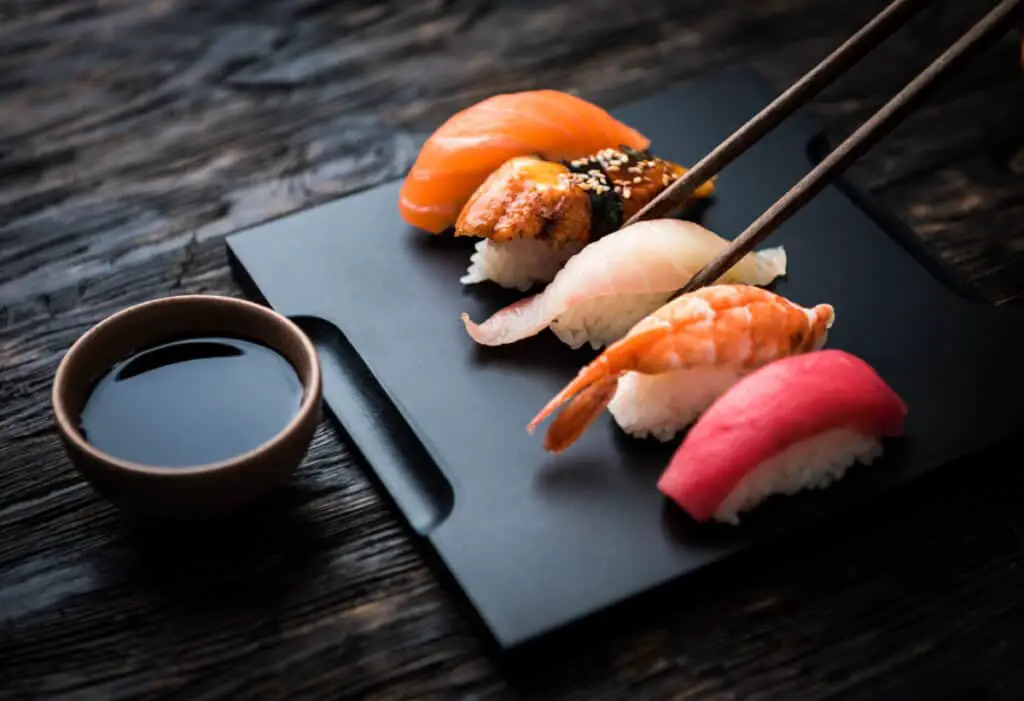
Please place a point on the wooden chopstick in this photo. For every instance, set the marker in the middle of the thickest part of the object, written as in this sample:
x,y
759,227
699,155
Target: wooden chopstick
x,y
817,79
996,22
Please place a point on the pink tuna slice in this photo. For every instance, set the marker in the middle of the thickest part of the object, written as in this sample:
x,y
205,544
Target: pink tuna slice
x,y
769,410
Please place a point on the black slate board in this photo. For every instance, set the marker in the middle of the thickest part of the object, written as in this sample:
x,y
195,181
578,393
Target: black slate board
x,y
535,541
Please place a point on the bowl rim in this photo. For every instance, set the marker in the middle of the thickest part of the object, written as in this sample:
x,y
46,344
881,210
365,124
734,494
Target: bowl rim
x,y
62,381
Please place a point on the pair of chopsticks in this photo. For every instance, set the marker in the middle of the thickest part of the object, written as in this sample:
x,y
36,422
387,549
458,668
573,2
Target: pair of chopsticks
x,y
998,21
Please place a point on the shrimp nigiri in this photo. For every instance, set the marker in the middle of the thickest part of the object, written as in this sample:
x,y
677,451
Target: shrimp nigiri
x,y
533,215
472,143
675,362
616,281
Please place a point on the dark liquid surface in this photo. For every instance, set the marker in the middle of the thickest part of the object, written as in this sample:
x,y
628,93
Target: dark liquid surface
x,y
192,401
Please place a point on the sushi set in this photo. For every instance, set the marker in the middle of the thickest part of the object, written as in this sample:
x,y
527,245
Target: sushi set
x,y
561,428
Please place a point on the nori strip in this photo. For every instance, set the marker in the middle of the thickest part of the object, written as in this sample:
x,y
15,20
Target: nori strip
x,y
606,207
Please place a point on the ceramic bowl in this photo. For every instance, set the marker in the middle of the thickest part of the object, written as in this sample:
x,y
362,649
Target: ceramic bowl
x,y
202,490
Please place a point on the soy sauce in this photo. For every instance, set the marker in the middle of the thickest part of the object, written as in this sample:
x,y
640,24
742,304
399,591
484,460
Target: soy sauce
x,y
191,401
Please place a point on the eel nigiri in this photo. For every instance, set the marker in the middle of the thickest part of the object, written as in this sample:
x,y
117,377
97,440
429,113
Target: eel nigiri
x,y
472,143
533,215
675,362
797,423
609,286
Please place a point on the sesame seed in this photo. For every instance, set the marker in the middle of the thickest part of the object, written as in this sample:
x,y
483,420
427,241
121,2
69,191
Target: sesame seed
x,y
637,180
626,192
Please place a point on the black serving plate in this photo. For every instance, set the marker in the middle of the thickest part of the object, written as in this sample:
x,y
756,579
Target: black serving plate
x,y
534,541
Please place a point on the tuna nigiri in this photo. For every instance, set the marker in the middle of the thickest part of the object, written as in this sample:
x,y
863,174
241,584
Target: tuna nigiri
x,y
613,283
797,423
472,143
533,215
675,362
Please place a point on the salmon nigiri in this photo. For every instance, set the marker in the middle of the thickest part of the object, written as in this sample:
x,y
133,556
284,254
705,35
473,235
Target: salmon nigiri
x,y
674,363
605,289
797,423
533,215
474,142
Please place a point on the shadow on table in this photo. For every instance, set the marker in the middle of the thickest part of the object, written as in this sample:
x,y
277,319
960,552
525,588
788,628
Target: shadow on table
x,y
587,649
257,551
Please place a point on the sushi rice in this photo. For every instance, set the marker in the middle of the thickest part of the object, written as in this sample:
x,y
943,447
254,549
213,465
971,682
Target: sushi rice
x,y
518,263
815,463
662,405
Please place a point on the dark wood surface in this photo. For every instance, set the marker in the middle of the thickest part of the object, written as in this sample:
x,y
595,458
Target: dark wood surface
x,y
135,135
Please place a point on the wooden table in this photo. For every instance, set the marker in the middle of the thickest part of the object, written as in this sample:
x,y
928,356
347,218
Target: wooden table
x,y
135,135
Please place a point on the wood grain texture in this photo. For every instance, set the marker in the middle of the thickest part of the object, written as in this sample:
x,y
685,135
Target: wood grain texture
x,y
134,136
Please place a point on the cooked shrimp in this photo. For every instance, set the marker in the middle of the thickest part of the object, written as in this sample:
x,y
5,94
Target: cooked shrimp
x,y
732,327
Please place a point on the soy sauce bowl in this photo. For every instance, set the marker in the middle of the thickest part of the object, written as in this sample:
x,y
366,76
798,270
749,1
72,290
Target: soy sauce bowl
x,y
191,491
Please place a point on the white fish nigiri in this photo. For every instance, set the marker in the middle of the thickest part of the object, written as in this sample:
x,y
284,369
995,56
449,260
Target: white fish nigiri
x,y
616,281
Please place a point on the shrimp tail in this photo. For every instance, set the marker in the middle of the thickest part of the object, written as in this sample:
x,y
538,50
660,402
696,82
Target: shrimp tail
x,y
625,354
588,376
579,414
